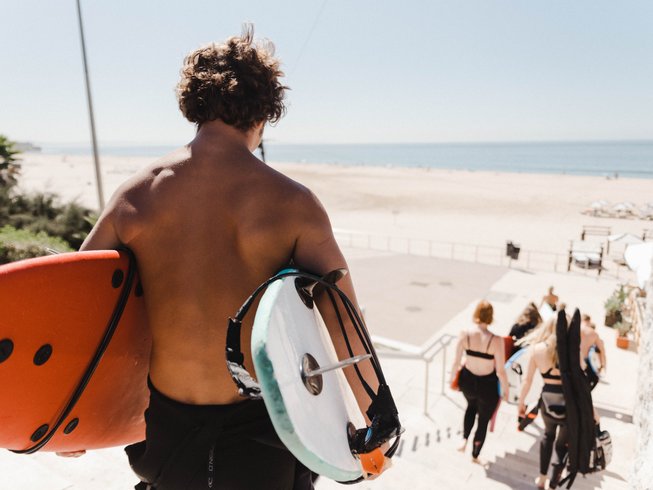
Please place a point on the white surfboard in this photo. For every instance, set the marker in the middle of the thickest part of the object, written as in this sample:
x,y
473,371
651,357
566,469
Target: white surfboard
x,y
594,359
516,372
311,421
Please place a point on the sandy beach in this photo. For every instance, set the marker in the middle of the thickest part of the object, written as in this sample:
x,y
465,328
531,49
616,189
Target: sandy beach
x,y
541,212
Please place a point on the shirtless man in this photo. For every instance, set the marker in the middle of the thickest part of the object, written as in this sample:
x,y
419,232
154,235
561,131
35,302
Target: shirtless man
x,y
551,299
588,338
209,223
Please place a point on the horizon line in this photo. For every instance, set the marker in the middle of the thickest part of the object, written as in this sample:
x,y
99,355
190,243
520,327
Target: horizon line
x,y
332,143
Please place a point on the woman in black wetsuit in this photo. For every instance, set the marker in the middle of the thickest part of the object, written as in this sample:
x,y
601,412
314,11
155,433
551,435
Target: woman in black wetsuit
x,y
544,359
479,375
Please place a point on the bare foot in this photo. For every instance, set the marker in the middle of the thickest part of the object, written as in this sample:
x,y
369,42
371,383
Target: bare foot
x,y
480,462
540,481
463,446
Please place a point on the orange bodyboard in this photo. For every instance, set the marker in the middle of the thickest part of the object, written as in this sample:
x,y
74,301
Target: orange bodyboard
x,y
55,314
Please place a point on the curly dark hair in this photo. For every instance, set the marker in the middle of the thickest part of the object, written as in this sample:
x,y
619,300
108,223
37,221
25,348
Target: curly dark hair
x,y
236,82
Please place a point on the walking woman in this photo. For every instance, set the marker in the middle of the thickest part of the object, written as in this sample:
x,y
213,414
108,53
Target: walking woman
x,y
544,358
479,375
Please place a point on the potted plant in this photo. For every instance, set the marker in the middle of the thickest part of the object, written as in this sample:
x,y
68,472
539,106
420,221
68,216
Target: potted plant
x,y
622,328
613,306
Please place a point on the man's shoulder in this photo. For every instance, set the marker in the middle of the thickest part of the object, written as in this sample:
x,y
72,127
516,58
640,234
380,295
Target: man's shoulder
x,y
293,193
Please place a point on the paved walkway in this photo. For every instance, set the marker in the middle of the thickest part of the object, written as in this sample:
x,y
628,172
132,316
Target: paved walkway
x,y
427,458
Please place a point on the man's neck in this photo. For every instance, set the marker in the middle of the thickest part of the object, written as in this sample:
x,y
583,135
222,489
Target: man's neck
x,y
224,135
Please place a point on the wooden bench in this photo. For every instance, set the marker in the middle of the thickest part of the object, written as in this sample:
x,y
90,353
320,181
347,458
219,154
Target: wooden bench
x,y
595,230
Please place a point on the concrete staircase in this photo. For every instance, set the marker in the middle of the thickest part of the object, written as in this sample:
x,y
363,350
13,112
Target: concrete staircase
x,y
427,457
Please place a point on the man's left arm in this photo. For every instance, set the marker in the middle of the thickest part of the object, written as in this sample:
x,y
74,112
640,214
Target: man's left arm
x,y
103,236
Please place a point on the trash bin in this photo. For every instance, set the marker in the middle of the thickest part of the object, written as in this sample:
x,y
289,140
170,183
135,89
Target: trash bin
x,y
512,250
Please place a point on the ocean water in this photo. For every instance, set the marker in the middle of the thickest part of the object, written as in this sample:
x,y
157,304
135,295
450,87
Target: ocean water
x,y
625,159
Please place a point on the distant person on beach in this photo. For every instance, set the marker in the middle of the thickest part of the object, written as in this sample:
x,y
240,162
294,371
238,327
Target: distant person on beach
x,y
209,223
528,320
550,299
544,359
479,375
590,338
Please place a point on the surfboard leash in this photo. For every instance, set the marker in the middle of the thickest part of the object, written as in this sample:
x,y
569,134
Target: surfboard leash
x,y
382,412
97,357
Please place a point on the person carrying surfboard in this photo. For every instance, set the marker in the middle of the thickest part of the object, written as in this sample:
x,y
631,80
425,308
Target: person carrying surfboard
x,y
589,338
544,359
551,299
479,376
208,223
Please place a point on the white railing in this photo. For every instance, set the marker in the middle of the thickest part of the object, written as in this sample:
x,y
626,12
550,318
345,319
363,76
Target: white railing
x,y
395,350
480,254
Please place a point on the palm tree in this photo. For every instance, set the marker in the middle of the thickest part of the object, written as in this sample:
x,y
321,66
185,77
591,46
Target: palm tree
x,y
9,166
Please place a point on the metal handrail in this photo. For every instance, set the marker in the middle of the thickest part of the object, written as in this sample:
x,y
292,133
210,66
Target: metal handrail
x,y
427,353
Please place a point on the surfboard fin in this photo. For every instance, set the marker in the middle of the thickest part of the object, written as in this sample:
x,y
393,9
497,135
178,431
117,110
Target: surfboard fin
x,y
335,275
306,287
374,462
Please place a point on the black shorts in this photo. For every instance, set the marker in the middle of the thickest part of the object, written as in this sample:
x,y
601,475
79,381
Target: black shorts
x,y
189,447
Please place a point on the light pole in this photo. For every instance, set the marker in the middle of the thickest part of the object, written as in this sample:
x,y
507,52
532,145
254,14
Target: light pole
x,y
96,158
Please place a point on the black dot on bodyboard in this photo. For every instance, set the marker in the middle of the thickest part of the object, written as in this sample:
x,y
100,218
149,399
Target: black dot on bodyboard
x,y
43,355
72,425
6,348
437,435
428,439
116,279
39,433
448,432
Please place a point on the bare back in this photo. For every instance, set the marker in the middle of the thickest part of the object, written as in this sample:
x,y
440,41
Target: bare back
x,y
542,359
480,341
588,338
207,226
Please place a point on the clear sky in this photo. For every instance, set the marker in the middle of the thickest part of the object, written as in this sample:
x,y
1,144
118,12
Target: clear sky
x,y
361,71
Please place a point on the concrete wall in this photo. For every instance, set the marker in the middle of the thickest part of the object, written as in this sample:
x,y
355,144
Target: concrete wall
x,y
642,476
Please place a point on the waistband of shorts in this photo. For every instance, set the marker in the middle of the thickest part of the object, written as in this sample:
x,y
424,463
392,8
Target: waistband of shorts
x,y
552,388
191,408
491,376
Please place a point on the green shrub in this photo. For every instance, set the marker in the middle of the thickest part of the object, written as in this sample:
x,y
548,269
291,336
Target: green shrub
x,y
41,212
623,328
24,244
9,166
616,301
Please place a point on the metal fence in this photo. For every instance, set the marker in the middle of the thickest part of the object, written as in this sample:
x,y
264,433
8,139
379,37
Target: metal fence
x,y
480,254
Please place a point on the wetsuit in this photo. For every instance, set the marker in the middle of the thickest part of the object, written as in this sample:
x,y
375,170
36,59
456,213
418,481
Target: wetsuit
x,y
519,330
482,395
193,447
552,407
